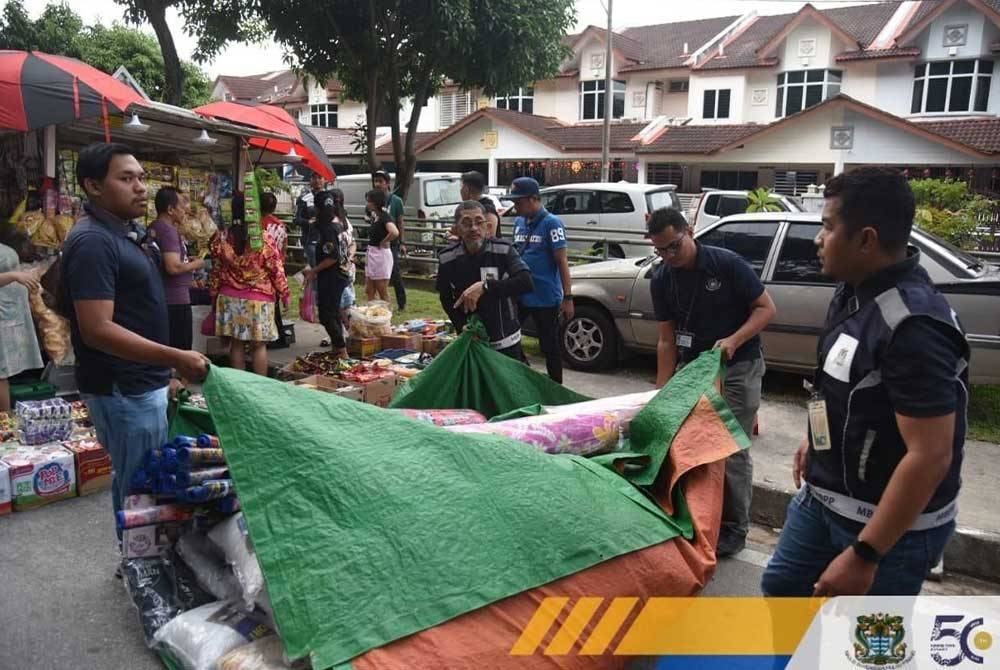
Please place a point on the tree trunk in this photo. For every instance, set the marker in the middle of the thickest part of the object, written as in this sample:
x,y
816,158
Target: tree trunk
x,y
371,130
156,13
406,169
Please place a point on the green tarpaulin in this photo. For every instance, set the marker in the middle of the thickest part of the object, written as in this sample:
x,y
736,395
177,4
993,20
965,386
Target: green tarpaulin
x,y
370,526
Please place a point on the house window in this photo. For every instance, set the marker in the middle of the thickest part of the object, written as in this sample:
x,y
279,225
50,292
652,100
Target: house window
x,y
227,96
951,86
729,180
521,100
323,116
455,106
715,104
592,100
804,88
677,86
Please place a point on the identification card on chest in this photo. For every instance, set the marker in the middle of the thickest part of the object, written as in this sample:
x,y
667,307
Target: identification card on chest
x,y
683,339
818,424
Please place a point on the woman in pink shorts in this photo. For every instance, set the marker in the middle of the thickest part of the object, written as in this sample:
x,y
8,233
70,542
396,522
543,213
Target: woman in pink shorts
x,y
381,232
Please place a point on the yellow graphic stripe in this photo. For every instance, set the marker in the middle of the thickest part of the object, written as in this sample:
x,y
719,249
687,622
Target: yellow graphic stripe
x,y
608,626
538,627
572,628
719,626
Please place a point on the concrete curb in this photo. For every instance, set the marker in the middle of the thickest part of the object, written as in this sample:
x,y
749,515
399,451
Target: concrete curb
x,y
971,552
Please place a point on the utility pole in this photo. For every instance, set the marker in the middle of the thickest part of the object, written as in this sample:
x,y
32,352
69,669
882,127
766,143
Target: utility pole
x,y
609,94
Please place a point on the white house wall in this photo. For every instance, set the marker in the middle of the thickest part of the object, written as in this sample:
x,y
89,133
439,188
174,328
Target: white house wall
x,y
824,52
894,88
877,143
760,80
931,42
807,140
703,82
861,82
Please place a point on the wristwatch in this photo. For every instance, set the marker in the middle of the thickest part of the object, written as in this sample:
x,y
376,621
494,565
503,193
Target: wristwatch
x,y
866,552
567,296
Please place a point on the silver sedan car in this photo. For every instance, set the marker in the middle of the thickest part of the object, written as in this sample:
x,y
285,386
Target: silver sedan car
x,y
614,310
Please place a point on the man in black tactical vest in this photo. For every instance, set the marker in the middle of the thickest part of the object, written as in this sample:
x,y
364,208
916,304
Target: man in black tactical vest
x,y
483,275
887,417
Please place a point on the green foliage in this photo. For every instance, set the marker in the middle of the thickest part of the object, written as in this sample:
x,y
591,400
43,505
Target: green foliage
x,y
948,209
359,142
271,181
762,200
59,30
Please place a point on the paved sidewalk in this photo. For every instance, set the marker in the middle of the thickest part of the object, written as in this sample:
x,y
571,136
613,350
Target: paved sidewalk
x,y
975,550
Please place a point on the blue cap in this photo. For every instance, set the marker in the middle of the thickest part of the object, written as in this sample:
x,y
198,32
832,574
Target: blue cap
x,y
522,187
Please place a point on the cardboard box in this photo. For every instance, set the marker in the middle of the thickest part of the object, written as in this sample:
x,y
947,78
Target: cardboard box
x,y
379,392
332,385
93,466
5,497
408,341
435,345
147,541
364,347
40,475
289,373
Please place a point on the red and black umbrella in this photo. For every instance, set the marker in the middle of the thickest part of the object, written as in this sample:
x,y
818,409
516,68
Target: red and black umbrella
x,y
38,90
274,120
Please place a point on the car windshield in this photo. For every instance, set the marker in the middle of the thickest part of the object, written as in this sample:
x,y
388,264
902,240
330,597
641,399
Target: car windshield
x,y
966,261
440,192
657,199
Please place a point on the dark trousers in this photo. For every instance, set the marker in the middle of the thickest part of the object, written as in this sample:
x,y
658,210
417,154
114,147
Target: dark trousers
x,y
181,332
396,280
329,291
547,326
279,322
515,352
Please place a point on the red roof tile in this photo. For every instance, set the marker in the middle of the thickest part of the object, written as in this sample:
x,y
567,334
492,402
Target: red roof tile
x,y
981,134
664,43
868,54
590,136
335,141
864,22
418,143
742,51
700,139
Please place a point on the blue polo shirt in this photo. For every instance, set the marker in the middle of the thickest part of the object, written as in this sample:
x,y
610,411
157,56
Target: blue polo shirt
x,y
537,241
710,302
101,262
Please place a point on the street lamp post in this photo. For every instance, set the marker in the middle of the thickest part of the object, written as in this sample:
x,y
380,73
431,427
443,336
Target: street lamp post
x,y
608,97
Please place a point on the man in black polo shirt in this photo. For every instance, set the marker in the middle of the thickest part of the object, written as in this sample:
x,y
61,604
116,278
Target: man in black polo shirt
x,y
483,276
704,298
112,293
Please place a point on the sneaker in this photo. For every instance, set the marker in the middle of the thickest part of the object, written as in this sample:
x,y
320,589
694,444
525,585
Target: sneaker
x,y
324,342
730,546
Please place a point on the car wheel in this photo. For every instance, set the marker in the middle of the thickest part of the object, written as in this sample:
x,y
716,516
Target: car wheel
x,y
614,250
588,340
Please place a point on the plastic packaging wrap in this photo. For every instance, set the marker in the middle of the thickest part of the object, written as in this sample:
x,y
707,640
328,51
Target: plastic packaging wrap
x,y
371,320
192,457
52,328
264,654
196,477
445,417
132,518
209,566
231,537
200,638
213,489
187,593
149,586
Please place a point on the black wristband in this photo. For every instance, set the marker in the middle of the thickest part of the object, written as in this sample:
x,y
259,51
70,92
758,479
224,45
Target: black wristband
x,y
866,552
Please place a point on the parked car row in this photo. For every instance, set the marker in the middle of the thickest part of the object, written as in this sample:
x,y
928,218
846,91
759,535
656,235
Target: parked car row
x,y
614,311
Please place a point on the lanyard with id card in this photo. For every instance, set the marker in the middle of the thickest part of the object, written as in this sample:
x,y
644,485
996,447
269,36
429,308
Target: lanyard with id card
x,y
819,426
684,338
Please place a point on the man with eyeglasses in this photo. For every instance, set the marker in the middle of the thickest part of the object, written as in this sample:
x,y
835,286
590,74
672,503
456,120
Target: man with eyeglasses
x,y
705,298
483,275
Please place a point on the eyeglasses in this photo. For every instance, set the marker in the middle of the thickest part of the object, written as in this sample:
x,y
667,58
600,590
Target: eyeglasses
x,y
671,248
472,223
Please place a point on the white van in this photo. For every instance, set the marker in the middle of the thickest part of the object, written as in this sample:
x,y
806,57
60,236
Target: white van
x,y
432,196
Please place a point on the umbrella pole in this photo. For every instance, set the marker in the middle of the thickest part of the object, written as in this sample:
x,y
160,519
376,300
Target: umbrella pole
x,y
107,121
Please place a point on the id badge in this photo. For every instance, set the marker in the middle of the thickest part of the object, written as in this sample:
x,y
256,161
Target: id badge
x,y
818,424
683,339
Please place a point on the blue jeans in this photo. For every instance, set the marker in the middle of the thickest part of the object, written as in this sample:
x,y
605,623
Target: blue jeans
x,y
128,426
813,536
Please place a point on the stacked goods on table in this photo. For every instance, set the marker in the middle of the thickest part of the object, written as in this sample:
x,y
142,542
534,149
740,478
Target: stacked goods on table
x,y
188,564
47,453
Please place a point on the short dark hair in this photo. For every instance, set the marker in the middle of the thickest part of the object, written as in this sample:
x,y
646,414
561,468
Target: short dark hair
x,y
875,197
268,203
474,180
166,197
381,174
377,196
95,160
467,205
663,218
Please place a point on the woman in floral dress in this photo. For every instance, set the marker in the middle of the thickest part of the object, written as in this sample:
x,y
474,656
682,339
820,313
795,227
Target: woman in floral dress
x,y
245,283
18,342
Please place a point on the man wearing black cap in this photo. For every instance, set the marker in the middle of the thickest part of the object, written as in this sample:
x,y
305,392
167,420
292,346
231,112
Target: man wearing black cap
x,y
473,188
540,238
394,205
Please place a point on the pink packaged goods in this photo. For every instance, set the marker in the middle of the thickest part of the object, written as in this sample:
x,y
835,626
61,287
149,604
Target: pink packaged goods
x,y
5,498
40,475
445,417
